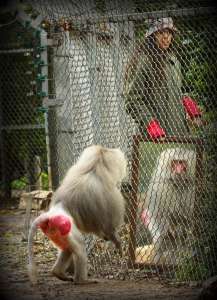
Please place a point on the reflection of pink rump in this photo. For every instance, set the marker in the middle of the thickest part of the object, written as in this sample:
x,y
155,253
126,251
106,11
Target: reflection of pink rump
x,y
150,223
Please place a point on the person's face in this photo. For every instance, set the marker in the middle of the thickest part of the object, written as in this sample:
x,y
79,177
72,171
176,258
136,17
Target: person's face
x,y
163,38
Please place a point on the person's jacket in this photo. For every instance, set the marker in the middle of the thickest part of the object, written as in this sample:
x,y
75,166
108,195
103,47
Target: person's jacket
x,y
153,94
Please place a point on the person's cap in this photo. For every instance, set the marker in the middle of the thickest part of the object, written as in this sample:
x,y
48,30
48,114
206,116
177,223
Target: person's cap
x,y
159,24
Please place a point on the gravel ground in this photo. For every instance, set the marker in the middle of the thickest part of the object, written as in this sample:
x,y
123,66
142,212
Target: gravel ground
x,y
14,282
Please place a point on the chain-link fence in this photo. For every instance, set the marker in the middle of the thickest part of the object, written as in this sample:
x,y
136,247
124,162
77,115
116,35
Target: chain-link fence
x,y
139,75
23,143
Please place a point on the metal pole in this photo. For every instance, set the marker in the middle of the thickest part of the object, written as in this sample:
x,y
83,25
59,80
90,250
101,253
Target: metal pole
x,y
44,72
37,173
133,205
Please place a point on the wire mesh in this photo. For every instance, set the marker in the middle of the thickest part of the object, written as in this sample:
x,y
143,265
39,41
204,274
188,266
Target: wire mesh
x,y
23,140
116,79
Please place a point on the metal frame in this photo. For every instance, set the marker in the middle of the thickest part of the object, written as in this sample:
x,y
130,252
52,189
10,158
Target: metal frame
x,y
179,12
133,203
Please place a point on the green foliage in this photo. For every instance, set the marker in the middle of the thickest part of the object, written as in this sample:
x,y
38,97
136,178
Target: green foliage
x,y
45,181
203,262
196,47
19,184
189,270
207,240
200,73
22,183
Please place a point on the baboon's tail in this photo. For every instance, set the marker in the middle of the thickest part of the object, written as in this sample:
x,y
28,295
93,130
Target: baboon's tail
x,y
32,270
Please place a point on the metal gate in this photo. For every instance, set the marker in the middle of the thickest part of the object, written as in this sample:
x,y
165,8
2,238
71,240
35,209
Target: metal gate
x,y
108,83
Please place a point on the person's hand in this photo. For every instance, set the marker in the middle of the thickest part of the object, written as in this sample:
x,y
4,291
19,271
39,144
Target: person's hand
x,y
195,122
155,131
191,107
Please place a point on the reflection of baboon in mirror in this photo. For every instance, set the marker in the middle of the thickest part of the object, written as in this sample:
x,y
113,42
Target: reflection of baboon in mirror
x,y
87,201
169,201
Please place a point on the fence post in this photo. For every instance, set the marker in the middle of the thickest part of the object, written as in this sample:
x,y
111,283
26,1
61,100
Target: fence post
x,y
38,171
133,203
44,73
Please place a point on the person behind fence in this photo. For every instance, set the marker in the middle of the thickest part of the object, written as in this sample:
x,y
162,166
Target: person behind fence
x,y
155,100
153,85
